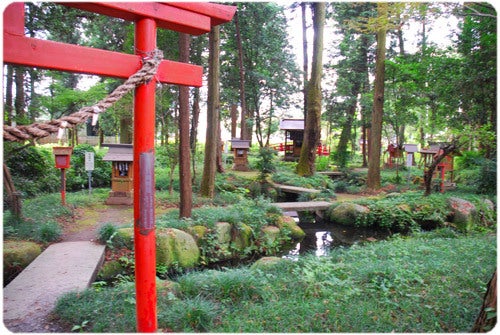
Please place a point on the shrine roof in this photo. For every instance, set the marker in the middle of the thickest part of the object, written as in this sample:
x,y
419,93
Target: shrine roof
x,y
292,124
236,143
119,153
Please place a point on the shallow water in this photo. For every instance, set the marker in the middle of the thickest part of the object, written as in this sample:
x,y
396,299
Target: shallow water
x,y
322,237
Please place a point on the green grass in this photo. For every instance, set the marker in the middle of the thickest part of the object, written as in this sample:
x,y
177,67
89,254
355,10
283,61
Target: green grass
x,y
431,282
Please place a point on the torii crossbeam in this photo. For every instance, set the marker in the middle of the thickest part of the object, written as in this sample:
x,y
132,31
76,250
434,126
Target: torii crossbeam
x,y
192,18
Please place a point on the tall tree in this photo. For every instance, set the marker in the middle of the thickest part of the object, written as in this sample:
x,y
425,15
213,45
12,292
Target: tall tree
x,y
352,69
186,198
270,71
305,64
373,179
8,106
312,132
246,131
199,45
207,188
477,44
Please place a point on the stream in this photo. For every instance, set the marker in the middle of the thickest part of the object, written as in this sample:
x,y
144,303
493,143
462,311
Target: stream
x,y
321,237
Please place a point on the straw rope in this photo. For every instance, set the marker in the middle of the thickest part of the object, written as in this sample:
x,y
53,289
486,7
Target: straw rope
x,y
21,133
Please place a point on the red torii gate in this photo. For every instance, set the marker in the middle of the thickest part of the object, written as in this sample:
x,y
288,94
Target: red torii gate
x,y
191,18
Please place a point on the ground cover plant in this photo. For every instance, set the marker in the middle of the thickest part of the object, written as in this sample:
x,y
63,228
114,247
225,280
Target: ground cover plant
x,y
44,215
410,211
430,282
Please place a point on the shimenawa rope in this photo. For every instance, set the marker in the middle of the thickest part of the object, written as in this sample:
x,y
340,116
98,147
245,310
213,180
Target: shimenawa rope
x,y
22,133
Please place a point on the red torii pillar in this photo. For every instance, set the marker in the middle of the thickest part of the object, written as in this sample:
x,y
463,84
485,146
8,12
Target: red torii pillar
x,y
191,18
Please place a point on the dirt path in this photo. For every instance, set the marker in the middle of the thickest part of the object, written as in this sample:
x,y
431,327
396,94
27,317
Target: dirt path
x,y
87,221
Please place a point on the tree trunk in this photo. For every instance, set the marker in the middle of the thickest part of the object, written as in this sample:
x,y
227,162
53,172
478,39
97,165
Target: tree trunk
x,y
126,133
194,130
429,171
345,134
207,188
487,317
8,94
364,141
243,125
234,120
312,132
220,165
186,198
373,179
20,98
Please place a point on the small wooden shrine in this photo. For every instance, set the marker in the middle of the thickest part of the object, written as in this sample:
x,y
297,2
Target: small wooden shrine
x,y
410,150
240,150
294,132
395,153
122,174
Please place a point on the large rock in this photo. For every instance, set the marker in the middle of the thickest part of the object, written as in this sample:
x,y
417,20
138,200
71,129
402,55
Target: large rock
x,y
288,223
270,240
124,237
464,213
198,232
346,213
110,270
241,238
222,231
175,247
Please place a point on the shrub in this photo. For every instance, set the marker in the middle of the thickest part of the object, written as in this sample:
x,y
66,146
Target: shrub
x,y
77,176
265,163
32,169
488,177
404,213
106,232
49,232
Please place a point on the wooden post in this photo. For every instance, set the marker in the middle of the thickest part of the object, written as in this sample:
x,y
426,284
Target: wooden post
x,y
13,197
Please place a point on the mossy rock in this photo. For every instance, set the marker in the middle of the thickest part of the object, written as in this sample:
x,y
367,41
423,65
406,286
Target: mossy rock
x,y
241,237
346,213
198,232
124,237
287,222
17,255
270,240
175,247
110,270
270,233
223,232
464,213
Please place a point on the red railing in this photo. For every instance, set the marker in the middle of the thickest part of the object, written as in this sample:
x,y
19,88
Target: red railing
x,y
322,150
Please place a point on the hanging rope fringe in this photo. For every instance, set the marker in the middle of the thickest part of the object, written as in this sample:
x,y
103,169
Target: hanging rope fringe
x,y
22,133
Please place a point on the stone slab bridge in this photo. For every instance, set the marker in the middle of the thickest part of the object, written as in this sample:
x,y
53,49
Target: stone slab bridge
x,y
318,207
